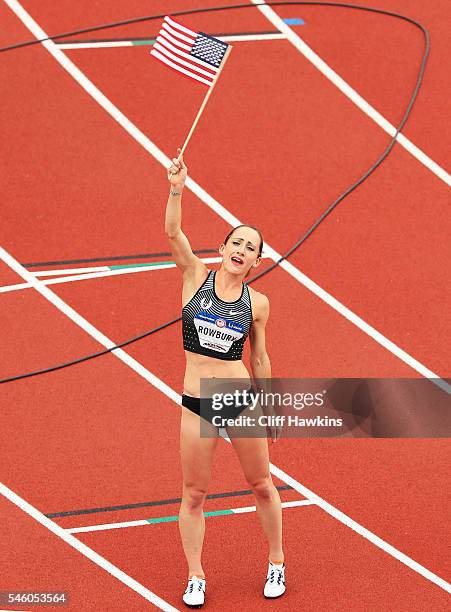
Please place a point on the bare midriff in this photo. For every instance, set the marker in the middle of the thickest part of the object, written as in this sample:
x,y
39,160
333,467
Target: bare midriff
x,y
201,366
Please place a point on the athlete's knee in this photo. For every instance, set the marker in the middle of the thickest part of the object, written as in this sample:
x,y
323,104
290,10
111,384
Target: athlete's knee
x,y
263,488
194,497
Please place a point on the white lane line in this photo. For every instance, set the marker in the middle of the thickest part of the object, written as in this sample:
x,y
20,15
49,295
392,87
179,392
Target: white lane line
x,y
348,91
149,266
144,522
103,272
169,392
81,277
129,43
96,45
85,550
108,526
62,271
253,37
228,217
290,504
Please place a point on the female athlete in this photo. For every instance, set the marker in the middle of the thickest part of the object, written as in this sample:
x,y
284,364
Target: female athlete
x,y
219,312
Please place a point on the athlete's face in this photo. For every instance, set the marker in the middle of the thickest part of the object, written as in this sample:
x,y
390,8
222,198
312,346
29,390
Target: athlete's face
x,y
240,253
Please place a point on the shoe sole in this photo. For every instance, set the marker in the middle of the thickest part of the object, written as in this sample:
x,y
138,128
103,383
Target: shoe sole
x,y
275,596
193,605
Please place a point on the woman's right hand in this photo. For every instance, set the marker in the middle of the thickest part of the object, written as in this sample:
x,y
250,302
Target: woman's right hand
x,y
177,172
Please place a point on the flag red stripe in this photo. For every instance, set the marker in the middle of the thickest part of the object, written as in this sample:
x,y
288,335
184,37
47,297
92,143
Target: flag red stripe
x,y
183,29
174,41
179,71
186,39
186,56
187,65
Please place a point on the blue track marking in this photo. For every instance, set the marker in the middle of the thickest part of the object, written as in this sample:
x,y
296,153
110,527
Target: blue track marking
x,y
294,21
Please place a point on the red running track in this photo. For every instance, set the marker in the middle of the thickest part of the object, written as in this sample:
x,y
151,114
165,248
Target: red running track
x,y
98,414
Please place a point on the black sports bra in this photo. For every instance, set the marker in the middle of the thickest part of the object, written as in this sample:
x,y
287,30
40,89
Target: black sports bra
x,y
213,327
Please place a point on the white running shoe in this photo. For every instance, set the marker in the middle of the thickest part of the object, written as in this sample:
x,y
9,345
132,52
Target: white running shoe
x,y
275,581
194,595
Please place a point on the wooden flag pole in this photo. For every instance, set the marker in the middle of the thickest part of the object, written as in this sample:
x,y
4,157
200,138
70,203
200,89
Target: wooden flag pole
x,y
210,89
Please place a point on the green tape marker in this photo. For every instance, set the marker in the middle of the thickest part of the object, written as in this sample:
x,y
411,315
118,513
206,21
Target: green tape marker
x,y
137,43
141,265
170,519
218,513
163,519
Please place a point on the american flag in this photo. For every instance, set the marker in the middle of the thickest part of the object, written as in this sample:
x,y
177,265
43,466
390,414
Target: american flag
x,y
195,54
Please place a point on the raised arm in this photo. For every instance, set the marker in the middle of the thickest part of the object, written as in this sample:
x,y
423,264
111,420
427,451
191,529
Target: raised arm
x,y
183,255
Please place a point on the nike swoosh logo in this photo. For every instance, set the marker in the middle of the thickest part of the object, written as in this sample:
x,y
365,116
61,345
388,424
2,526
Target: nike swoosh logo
x,y
231,313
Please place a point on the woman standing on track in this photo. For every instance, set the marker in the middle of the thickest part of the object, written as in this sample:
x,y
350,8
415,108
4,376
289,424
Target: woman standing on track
x,y
214,300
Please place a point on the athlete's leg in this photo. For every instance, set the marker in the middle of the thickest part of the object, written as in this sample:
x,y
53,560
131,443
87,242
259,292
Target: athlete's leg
x,y
254,458
196,457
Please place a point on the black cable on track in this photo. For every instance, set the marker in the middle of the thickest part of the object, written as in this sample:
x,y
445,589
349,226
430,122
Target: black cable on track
x,y
328,210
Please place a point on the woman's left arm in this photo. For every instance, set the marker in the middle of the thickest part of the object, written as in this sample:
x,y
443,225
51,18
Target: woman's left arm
x,y
260,364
